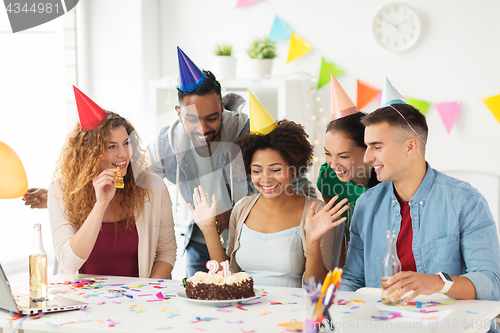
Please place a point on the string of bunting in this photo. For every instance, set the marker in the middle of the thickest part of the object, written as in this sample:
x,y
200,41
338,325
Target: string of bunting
x,y
448,111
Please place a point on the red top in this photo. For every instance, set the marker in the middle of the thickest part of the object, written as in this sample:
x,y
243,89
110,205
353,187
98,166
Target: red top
x,y
114,253
405,238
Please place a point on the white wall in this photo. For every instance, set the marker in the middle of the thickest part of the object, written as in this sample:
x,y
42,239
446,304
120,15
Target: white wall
x,y
456,58
33,123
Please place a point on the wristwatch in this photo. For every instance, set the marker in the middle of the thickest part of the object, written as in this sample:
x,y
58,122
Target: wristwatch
x,y
448,281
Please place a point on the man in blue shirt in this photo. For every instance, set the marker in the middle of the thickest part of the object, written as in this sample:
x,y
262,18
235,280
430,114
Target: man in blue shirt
x,y
454,241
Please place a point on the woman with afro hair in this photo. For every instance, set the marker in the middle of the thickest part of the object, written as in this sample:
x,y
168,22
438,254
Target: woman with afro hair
x,y
99,229
277,236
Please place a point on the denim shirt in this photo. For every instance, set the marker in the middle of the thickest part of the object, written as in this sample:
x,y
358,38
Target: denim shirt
x,y
453,232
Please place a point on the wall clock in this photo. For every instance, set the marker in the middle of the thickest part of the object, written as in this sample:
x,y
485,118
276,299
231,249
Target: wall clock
x,y
396,27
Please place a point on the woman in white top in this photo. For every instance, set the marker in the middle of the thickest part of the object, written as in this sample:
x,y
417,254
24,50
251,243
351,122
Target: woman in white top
x,y
277,236
99,229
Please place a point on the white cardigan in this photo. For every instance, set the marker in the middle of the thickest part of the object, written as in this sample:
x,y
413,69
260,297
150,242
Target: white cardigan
x,y
155,229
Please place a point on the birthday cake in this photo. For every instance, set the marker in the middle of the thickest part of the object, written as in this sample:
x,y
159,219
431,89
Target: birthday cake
x,y
217,287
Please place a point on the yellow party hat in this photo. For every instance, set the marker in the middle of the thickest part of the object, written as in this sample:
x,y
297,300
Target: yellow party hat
x,y
260,121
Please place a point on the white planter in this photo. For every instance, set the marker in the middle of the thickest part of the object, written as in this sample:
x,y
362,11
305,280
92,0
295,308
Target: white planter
x,y
260,68
224,67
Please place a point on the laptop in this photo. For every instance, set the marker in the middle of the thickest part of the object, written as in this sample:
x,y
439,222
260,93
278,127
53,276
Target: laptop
x,y
21,304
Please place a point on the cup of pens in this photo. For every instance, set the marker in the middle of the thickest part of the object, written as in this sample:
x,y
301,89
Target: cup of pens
x,y
317,300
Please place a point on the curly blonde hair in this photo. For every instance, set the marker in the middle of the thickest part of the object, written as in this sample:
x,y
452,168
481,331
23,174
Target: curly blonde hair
x,y
79,164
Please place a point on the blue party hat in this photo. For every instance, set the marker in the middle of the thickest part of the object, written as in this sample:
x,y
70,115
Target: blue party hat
x,y
390,95
191,77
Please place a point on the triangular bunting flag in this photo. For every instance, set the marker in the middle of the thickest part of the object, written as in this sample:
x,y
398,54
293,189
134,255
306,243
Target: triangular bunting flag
x,y
365,94
493,103
327,69
244,3
448,112
298,47
280,30
422,106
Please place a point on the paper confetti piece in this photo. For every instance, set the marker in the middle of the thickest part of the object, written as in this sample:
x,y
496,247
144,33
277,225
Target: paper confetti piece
x,y
154,300
223,306
235,322
51,324
101,303
100,321
296,295
172,315
241,308
160,296
470,312
246,331
264,313
68,323
163,328
163,310
224,310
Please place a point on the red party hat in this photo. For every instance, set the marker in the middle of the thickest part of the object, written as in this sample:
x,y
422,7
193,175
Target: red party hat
x,y
91,115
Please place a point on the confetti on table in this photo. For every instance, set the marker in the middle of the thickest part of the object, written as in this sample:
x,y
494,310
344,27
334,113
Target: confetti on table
x,y
160,296
264,313
246,331
101,303
241,308
470,312
163,310
244,303
223,306
51,324
224,310
163,328
199,329
296,295
68,323
100,321
145,295
235,322
154,300
172,315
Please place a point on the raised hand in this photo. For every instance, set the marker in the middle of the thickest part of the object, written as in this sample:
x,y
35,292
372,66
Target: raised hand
x,y
104,185
203,212
327,218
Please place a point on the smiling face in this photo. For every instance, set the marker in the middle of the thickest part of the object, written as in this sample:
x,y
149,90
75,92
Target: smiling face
x,y
201,117
271,174
119,151
386,153
346,158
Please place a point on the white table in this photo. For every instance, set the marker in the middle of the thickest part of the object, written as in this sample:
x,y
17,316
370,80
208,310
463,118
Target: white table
x,y
278,305
370,316
171,315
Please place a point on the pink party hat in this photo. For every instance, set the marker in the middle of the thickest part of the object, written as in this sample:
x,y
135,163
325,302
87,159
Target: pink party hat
x,y
342,105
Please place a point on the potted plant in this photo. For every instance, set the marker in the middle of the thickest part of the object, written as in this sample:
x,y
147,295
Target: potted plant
x,y
262,51
224,64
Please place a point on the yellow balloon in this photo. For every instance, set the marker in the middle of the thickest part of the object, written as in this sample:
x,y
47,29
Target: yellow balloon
x,y
13,181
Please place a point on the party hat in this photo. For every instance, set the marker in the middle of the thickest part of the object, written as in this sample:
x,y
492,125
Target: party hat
x,y
191,77
390,95
341,103
90,114
260,121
